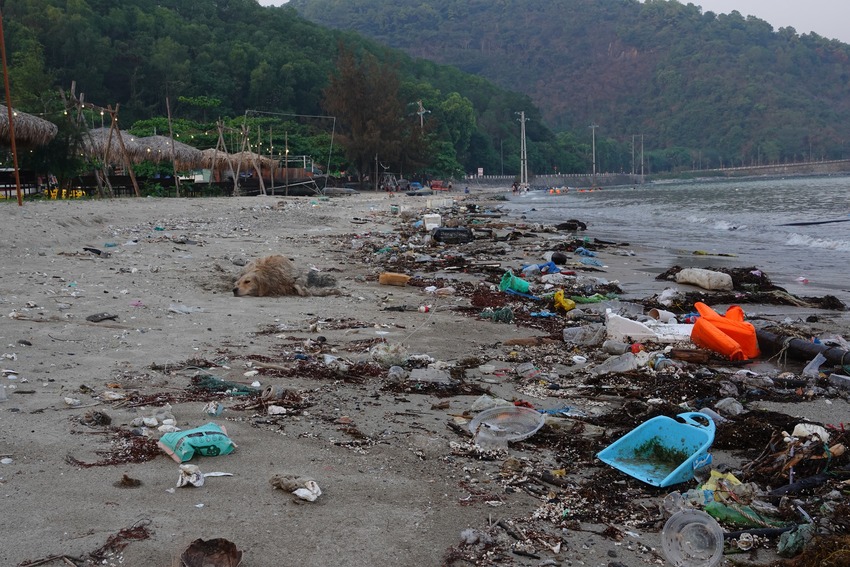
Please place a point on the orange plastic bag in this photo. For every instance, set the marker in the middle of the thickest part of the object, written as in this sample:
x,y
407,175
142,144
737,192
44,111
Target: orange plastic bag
x,y
728,335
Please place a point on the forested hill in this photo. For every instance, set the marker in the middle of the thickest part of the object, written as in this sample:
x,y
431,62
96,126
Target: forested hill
x,y
713,87
220,58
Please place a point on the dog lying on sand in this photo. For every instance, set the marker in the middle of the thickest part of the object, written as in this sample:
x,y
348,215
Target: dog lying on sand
x,y
272,276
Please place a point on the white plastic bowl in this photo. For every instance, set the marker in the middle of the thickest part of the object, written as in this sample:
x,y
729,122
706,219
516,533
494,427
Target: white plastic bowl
x,y
495,427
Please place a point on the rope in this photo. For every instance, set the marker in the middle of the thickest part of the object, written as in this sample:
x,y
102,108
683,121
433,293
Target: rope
x,y
431,311
782,355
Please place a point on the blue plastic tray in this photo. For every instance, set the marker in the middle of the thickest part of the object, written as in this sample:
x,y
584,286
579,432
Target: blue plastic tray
x,y
647,451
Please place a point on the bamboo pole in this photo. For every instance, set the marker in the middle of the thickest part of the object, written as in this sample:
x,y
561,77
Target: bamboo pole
x,y
11,114
114,115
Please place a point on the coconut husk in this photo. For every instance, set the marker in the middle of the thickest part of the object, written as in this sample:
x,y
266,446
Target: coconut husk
x,y
217,552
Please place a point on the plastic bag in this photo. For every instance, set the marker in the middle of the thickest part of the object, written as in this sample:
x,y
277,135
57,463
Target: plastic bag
x,y
812,369
209,440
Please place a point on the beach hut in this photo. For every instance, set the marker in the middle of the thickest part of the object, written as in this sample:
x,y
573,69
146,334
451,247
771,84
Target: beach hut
x,y
29,130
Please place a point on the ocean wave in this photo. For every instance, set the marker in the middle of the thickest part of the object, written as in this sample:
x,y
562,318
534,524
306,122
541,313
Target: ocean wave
x,y
714,223
795,239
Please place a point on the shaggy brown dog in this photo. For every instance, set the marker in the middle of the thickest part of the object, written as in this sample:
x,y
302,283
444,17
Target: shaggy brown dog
x,y
268,276
272,276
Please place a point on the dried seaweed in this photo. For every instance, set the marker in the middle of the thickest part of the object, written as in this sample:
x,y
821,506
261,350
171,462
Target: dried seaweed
x,y
117,542
127,448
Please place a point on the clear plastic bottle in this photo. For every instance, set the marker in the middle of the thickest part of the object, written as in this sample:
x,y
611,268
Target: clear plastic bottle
x,y
528,371
531,271
622,363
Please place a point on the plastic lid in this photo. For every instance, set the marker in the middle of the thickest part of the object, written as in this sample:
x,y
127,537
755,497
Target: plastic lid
x,y
496,426
692,538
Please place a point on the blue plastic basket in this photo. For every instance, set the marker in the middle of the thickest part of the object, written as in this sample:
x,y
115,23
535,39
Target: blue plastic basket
x,y
647,451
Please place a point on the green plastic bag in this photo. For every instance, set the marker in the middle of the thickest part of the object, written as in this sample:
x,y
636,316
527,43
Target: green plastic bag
x,y
792,543
209,440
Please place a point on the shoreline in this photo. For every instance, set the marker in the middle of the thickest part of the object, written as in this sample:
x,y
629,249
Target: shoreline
x,y
398,474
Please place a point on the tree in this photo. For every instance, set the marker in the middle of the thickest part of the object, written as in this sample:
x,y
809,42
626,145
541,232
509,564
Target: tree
x,y
459,116
31,82
204,103
364,97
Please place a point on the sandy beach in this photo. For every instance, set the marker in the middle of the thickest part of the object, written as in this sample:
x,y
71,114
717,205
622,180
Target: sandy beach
x,y
113,310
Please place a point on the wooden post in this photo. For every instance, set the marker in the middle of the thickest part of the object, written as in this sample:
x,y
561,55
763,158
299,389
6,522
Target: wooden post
x,y
173,160
271,157
223,145
127,164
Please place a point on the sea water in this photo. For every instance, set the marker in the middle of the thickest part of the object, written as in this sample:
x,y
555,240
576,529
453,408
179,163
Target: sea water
x,y
737,223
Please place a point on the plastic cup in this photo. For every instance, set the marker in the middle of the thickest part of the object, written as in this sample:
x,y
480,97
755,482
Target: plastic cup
x,y
663,316
692,538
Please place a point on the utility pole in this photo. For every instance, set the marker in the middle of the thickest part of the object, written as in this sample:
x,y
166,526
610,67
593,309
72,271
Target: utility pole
x,y
502,155
286,162
523,153
641,158
593,128
421,112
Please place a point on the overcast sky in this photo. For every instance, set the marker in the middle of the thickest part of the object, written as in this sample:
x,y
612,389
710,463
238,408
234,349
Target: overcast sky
x,y
828,18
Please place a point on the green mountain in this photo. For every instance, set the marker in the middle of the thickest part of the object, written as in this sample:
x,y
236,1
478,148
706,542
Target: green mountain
x,y
224,58
703,89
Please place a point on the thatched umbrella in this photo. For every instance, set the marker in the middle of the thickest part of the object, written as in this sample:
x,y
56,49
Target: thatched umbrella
x,y
29,130
158,148
213,158
248,159
96,141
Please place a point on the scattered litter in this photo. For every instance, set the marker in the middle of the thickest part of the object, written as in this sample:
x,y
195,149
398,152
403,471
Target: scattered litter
x,y
706,279
495,427
190,475
183,309
662,451
209,440
432,375
303,487
98,317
